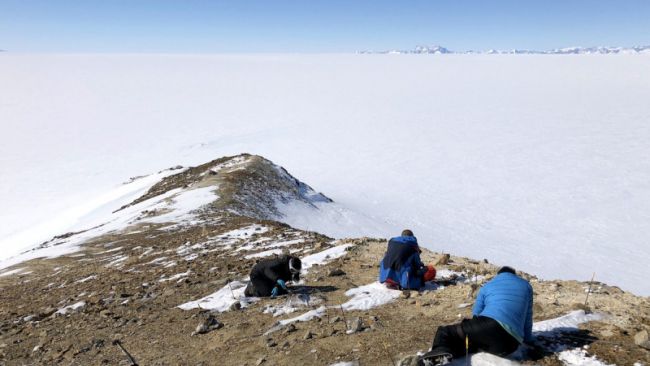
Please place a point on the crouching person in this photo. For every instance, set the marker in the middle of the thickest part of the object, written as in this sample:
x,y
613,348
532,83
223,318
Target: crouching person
x,y
269,277
502,320
401,267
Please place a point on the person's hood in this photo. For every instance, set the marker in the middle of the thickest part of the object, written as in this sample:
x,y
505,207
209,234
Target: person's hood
x,y
411,240
406,239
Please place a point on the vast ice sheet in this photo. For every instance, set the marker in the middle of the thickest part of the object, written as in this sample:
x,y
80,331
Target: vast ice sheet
x,y
539,162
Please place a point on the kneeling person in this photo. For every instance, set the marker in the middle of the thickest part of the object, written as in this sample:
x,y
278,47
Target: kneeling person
x,y
269,276
402,267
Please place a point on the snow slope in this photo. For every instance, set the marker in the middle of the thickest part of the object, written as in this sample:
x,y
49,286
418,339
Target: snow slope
x,y
175,207
538,162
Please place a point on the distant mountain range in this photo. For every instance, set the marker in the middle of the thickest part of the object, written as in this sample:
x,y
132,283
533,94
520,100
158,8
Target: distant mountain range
x,y
438,50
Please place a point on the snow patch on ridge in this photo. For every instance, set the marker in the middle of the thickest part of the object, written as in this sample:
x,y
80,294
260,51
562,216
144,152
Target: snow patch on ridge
x,y
235,163
316,313
266,253
325,256
568,321
370,296
484,359
579,357
71,308
244,232
86,279
14,271
222,300
292,304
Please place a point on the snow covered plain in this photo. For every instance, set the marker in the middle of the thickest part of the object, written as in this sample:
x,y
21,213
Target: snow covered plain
x,y
540,162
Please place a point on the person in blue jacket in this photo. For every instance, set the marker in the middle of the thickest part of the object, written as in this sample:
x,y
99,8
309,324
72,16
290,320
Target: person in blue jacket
x,y
401,266
502,320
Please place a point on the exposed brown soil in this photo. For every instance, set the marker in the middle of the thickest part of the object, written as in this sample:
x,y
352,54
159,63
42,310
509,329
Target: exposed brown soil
x,y
156,332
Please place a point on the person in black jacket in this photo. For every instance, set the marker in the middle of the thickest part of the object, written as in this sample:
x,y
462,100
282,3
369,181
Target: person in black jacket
x,y
269,276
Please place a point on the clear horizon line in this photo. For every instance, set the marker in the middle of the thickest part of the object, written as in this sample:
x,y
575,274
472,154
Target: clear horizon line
x,y
357,51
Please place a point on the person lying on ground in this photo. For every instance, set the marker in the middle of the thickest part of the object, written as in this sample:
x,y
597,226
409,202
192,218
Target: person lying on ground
x,y
402,267
502,320
269,277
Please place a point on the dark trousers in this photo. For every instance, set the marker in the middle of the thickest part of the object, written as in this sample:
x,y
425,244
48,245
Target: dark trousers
x,y
485,335
261,286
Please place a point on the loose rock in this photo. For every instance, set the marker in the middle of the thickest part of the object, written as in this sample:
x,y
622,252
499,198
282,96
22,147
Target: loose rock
x,y
208,325
336,272
168,292
44,313
641,339
354,325
443,260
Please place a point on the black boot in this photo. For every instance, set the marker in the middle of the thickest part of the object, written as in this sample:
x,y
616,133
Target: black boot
x,y
435,358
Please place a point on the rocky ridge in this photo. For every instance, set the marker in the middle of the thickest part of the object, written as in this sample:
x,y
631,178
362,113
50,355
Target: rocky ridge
x,y
162,280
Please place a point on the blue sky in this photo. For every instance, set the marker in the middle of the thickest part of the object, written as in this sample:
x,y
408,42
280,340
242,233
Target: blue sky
x,y
316,26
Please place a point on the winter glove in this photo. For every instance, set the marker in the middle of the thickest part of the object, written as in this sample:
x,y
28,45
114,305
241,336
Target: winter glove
x,y
274,292
282,284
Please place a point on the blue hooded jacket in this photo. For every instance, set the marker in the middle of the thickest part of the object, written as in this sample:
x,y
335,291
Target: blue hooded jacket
x,y
508,299
402,263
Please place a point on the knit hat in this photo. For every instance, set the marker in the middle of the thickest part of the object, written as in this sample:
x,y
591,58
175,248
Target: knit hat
x,y
295,265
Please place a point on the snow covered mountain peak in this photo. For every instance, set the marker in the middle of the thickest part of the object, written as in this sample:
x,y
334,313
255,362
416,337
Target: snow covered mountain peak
x,y
435,49
438,50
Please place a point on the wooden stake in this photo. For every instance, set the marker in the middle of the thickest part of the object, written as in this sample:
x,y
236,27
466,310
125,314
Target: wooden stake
x,y
126,353
231,292
589,290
